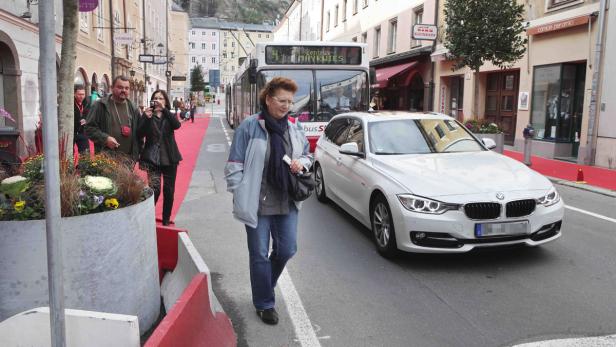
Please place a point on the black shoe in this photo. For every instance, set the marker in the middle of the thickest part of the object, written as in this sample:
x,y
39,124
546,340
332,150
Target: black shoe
x,y
165,222
268,316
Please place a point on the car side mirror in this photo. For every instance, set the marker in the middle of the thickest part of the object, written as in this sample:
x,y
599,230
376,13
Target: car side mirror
x,y
351,148
489,143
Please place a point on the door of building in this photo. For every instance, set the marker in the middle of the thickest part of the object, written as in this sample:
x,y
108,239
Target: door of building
x,y
501,101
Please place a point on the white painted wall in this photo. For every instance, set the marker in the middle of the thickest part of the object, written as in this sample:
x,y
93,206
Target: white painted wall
x,y
83,328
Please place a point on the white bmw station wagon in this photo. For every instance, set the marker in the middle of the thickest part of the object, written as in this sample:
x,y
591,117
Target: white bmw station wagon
x,y
423,183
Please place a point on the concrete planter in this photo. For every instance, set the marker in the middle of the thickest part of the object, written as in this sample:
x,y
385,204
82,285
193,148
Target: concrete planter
x,y
110,264
499,139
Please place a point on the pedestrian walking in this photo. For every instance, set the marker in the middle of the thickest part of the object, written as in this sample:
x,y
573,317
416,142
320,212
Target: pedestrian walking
x,y
112,122
258,177
81,109
193,109
160,155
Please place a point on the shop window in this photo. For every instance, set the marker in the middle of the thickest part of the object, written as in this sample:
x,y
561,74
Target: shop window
x,y
492,82
557,101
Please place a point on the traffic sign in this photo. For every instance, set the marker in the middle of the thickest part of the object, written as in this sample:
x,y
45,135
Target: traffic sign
x,y
146,58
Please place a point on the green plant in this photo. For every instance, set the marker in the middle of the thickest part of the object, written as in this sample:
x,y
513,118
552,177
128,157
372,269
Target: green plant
x,y
478,127
102,183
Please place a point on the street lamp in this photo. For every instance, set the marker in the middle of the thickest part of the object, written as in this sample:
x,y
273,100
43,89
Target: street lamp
x,y
132,72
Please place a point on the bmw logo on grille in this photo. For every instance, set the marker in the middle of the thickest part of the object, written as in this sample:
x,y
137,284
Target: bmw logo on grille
x,y
500,196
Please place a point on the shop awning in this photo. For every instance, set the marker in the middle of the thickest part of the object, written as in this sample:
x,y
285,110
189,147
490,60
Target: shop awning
x,y
384,74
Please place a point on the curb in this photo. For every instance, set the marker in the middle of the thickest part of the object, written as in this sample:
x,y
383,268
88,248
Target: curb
x,y
583,186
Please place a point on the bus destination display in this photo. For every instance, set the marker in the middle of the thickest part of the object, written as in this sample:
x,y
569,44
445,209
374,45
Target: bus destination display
x,y
307,55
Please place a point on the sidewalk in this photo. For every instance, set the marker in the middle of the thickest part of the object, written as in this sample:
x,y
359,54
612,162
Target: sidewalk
x,y
599,180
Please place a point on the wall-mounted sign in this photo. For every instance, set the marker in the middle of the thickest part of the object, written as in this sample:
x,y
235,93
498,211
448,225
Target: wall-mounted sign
x,y
160,59
560,25
146,58
178,78
87,5
424,32
123,38
443,98
523,101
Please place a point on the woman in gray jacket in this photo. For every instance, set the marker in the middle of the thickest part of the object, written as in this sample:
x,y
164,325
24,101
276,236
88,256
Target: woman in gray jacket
x,y
259,180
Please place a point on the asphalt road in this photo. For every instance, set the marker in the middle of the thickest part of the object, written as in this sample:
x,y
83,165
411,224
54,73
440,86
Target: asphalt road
x,y
353,297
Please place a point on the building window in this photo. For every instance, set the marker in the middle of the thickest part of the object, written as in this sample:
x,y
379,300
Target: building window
x,y
393,33
192,45
328,20
259,35
355,6
213,33
232,43
417,19
203,46
344,10
83,21
213,60
364,3
232,68
193,59
203,33
377,41
364,38
267,36
224,55
558,102
336,16
224,44
203,59
100,22
213,46
192,32
556,3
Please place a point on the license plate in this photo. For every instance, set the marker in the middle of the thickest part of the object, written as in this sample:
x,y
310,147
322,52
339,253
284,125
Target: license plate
x,y
501,229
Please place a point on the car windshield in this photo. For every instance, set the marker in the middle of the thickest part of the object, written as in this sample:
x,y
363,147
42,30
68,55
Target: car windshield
x,y
417,136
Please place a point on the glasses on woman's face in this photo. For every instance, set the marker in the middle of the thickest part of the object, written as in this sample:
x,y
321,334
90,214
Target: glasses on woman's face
x,y
283,102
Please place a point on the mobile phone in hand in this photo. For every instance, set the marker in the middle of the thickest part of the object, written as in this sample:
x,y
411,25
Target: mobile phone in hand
x,y
152,104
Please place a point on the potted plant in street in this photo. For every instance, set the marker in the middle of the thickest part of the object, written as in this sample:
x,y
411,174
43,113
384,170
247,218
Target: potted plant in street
x,y
483,130
109,239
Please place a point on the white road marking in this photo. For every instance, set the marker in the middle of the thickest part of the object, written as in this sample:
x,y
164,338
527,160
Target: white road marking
x,y
591,213
598,341
303,327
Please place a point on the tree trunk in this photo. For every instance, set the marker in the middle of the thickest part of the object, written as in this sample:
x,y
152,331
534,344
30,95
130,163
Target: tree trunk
x,y
66,75
475,110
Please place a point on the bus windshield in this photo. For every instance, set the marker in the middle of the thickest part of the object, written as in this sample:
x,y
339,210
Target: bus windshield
x,y
337,91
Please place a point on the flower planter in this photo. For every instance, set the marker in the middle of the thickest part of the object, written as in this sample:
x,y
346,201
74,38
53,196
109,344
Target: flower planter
x,y
110,264
499,139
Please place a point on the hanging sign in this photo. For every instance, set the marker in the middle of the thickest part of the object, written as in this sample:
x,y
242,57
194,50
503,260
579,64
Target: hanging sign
x,y
87,5
123,38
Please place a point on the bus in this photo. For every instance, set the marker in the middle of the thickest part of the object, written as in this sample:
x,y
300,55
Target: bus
x,y
333,78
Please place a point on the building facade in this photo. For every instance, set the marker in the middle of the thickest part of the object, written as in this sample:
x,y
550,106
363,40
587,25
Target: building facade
x,y
548,88
178,43
403,66
606,123
204,48
300,22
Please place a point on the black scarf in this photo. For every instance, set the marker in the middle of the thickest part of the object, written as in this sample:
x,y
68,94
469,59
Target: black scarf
x,y
277,169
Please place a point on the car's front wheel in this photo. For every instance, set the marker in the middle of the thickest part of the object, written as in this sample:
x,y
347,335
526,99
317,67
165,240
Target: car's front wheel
x,y
383,230
320,184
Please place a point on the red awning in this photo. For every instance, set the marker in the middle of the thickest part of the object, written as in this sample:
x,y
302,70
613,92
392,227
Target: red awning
x,y
383,75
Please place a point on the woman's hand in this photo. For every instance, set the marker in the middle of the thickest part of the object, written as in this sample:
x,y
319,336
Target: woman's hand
x,y
148,112
296,166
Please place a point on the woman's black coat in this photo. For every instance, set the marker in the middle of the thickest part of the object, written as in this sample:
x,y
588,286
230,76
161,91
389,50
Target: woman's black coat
x,y
169,124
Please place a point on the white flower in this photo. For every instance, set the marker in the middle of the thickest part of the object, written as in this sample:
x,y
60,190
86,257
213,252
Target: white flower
x,y
98,183
13,179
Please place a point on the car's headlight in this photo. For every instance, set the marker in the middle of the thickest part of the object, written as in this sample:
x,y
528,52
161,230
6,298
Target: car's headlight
x,y
424,205
550,198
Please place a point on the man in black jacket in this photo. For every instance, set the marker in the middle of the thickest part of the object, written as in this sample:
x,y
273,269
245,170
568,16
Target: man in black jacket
x,y
113,120
82,106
